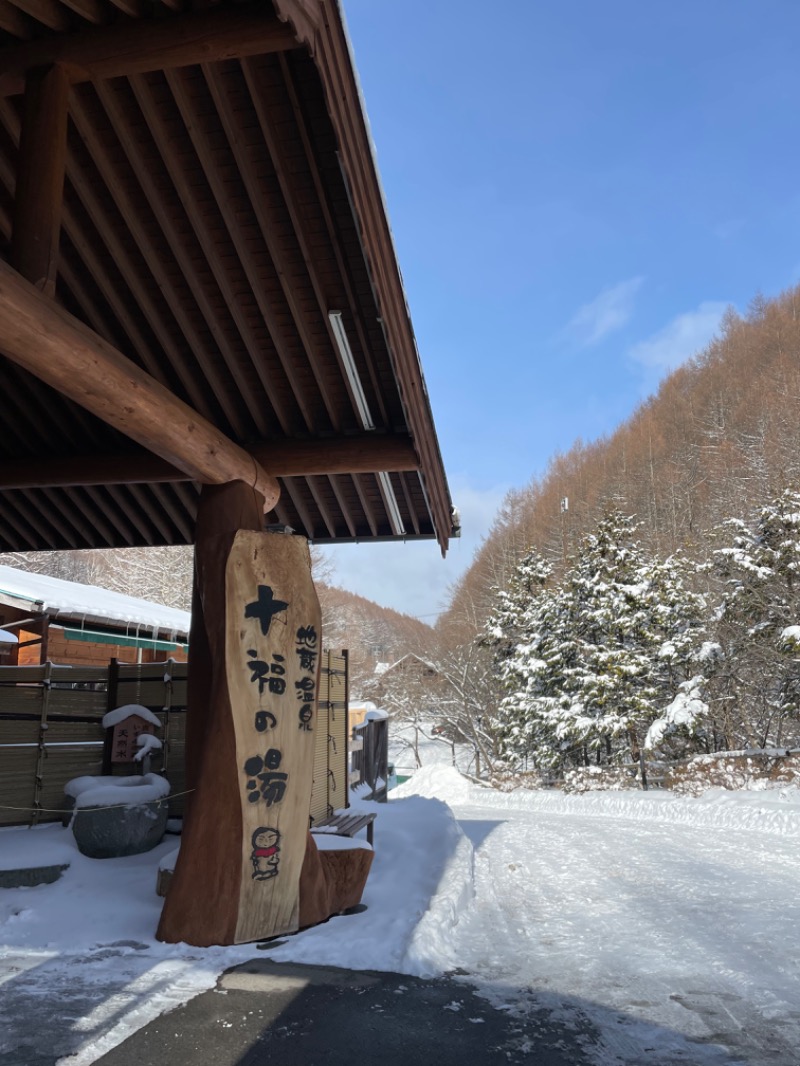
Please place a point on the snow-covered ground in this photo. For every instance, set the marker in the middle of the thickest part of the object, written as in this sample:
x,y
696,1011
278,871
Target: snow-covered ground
x,y
665,929
414,745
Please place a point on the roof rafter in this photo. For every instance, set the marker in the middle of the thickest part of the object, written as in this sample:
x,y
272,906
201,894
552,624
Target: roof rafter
x,y
278,331
87,249
127,48
197,216
177,243
155,260
270,225
274,134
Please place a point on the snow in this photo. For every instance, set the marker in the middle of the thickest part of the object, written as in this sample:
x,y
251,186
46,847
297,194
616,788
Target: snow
x,y
685,711
146,744
112,791
660,926
334,843
119,714
433,749
361,706
709,651
27,853
376,715
74,600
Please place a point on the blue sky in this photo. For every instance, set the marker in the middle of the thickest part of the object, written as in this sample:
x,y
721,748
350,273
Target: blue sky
x,y
577,191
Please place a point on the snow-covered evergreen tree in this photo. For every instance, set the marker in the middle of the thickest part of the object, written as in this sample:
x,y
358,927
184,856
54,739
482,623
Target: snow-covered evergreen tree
x,y
507,622
599,659
756,684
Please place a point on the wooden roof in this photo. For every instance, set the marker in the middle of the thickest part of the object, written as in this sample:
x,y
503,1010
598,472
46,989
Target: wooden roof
x,y
220,200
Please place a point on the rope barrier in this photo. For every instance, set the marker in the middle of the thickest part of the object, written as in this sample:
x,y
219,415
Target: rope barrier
x,y
92,807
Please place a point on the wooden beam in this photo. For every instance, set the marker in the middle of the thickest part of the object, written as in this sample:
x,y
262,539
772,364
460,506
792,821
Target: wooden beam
x,y
92,10
48,342
13,21
127,48
49,12
137,9
40,178
343,506
366,454
87,246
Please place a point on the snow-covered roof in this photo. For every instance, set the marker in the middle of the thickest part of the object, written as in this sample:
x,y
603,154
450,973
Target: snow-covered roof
x,y
417,658
70,600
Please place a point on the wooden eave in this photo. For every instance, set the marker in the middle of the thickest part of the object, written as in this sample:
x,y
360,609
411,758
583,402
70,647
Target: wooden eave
x,y
220,199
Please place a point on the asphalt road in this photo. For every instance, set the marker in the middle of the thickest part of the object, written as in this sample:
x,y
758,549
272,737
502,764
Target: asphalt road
x,y
271,1014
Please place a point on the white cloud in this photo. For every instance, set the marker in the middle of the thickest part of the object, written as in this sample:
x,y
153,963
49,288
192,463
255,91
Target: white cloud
x,y
608,312
686,335
412,577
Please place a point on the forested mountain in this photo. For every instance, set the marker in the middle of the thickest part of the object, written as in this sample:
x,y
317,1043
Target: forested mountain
x,y
719,439
643,595
372,634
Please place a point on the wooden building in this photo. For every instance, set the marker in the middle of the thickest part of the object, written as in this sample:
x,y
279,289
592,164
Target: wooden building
x,y
203,333
69,623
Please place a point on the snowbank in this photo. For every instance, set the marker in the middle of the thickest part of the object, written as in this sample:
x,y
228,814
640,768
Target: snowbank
x,y
772,811
440,781
421,881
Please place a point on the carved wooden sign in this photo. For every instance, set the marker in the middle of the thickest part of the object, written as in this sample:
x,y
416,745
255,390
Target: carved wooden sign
x,y
254,664
273,657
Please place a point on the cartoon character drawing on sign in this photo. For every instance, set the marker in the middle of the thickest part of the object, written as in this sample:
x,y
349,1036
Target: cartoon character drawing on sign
x,y
265,855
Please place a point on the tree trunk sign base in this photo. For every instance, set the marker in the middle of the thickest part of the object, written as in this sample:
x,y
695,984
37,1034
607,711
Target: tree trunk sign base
x,y
253,678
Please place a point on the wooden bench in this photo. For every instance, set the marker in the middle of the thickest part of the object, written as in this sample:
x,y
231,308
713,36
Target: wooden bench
x,y
344,824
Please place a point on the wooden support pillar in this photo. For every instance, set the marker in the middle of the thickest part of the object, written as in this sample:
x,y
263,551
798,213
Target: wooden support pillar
x,y
253,677
40,177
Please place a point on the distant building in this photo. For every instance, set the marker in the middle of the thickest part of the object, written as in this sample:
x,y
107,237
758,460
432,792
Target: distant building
x,y
411,677
67,622
411,666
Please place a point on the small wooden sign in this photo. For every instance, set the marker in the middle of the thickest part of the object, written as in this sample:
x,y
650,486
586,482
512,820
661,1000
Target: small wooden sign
x,y
124,737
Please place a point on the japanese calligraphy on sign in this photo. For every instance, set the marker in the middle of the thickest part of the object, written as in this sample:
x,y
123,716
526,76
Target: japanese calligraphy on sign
x,y
272,656
125,735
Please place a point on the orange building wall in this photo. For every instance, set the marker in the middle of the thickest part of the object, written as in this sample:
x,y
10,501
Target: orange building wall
x,y
88,653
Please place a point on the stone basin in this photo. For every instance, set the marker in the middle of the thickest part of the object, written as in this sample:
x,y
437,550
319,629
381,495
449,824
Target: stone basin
x,y
117,816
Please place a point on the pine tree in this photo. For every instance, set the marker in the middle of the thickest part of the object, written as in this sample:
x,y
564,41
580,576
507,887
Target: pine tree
x,y
756,686
599,659
506,623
